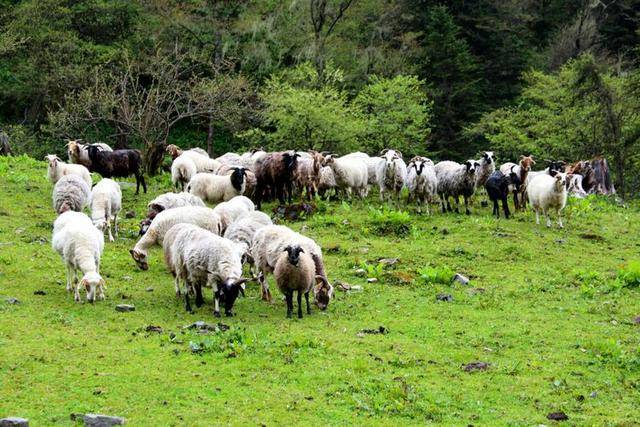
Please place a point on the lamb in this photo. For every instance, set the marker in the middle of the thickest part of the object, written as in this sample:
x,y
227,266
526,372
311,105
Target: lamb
x,y
486,168
201,258
391,174
118,164
522,169
231,210
78,152
350,174
201,216
269,242
57,169
217,188
174,151
294,272
106,203
548,193
71,193
421,182
182,170
498,187
275,172
80,245
168,201
456,180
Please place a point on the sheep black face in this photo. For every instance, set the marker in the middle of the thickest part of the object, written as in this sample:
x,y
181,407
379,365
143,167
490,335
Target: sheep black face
x,y
237,178
227,294
290,161
293,252
471,166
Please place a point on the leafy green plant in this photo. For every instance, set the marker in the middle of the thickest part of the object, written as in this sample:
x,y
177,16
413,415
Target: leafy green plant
x,y
436,275
386,221
373,270
630,274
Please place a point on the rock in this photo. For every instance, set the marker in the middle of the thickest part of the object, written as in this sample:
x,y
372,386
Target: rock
x,y
593,394
152,328
123,308
372,280
444,297
20,230
356,288
12,300
149,289
14,422
461,279
345,222
475,291
361,272
127,278
557,416
476,366
39,292
388,261
96,420
364,250
561,241
130,214
204,326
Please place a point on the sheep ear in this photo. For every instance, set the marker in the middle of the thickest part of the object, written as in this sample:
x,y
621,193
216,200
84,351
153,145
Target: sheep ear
x,y
382,153
399,153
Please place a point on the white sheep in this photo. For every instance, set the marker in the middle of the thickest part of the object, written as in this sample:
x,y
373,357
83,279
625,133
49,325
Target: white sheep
x,y
203,162
455,180
70,217
422,182
391,174
200,216
202,258
269,242
80,245
231,210
57,169
244,228
487,167
230,159
106,203
356,155
173,254
218,188
350,174
295,272
327,181
249,159
174,200
183,169
373,164
548,193
70,193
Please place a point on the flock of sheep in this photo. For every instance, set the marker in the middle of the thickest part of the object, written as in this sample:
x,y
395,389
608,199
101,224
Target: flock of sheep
x,y
207,247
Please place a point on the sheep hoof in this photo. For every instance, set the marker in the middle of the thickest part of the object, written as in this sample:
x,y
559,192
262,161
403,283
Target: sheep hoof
x,y
300,315
289,315
228,313
216,314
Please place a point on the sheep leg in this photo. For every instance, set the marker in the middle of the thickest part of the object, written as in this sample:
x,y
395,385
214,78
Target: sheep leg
x,y
299,304
560,220
516,204
115,224
199,299
444,207
505,207
496,210
545,212
537,216
70,273
187,303
109,228
76,289
306,297
264,285
216,304
289,298
466,205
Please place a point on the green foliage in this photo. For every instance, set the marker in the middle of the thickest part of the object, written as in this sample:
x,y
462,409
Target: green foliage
x,y
373,270
395,114
386,221
630,274
430,275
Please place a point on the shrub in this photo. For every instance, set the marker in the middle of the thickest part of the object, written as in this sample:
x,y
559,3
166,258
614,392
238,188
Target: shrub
x,y
387,221
436,275
630,274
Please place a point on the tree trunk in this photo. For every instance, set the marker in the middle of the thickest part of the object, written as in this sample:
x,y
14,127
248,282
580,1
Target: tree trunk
x,y
210,137
153,157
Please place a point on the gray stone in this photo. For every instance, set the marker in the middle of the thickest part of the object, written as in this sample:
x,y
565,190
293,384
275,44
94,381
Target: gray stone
x,y
388,261
361,272
444,297
12,300
372,280
125,308
14,422
461,279
96,420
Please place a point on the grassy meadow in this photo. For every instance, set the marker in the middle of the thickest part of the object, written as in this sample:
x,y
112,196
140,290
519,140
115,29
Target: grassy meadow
x,y
551,311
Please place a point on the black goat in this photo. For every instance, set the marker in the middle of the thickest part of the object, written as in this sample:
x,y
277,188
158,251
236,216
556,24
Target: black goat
x,y
275,172
118,164
497,187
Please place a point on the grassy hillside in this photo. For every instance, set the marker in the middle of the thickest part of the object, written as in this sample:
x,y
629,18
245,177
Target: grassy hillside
x,y
551,311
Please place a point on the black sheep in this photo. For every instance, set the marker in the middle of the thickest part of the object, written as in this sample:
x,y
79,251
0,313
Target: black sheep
x,y
118,164
275,172
497,187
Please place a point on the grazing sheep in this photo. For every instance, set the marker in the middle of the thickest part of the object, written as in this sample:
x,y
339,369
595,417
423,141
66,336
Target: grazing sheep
x,y
307,174
57,169
70,193
391,174
231,210
269,242
106,202
173,255
421,182
522,169
78,152
486,168
80,245
350,174
201,258
203,162
275,172
168,201
182,170
455,180
118,164
498,187
295,272
242,230
174,151
200,216
548,193
326,182
218,188
70,217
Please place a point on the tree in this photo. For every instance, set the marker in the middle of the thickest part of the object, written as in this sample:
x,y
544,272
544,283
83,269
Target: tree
x,y
396,114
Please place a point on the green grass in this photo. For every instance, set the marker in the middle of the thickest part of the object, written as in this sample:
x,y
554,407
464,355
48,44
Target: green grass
x,y
555,322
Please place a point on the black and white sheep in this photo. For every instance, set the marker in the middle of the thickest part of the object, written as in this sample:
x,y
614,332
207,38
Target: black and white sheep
x,y
487,167
455,180
422,182
218,188
498,187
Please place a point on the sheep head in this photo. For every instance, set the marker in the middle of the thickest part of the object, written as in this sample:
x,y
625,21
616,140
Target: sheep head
x,y
290,160
173,151
488,157
526,162
471,166
140,258
228,292
53,160
73,148
293,254
323,292
238,178
560,182
93,284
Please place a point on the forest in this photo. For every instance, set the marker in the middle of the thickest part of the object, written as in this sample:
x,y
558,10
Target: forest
x,y
556,79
